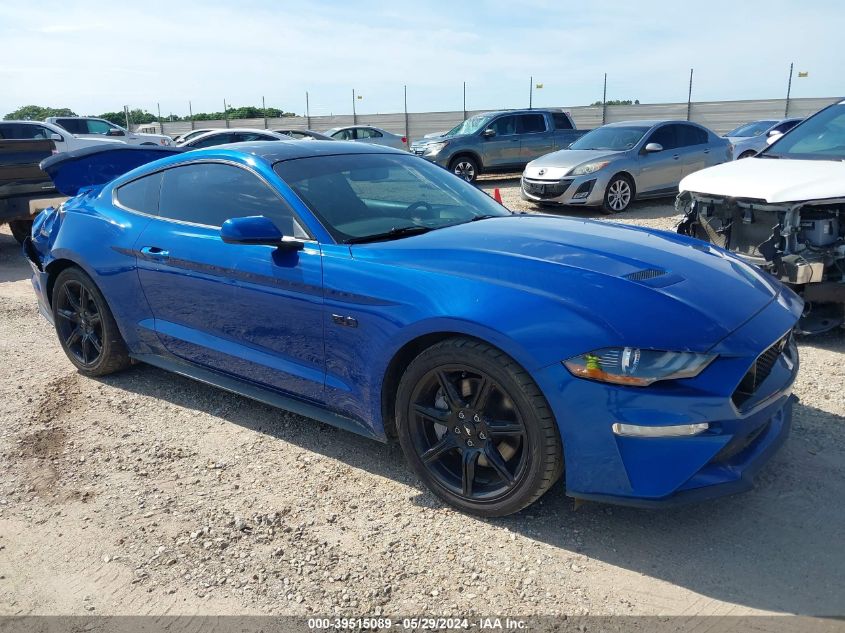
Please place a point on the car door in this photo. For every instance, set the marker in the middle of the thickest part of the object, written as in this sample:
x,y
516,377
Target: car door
x,y
536,139
659,171
694,148
251,311
502,148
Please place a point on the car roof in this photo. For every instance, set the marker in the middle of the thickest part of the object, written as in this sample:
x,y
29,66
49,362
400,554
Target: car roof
x,y
275,151
646,122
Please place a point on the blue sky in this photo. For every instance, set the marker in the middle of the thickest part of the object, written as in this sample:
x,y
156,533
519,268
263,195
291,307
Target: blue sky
x,y
97,56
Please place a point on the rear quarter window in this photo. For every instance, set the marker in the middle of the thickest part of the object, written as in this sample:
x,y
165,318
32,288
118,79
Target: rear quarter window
x,y
561,121
141,195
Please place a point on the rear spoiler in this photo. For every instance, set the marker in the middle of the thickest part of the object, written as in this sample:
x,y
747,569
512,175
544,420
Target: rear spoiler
x,y
99,164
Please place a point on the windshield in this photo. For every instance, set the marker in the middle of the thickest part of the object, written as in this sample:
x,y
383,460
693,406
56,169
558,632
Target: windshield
x,y
755,128
611,137
821,137
361,195
470,126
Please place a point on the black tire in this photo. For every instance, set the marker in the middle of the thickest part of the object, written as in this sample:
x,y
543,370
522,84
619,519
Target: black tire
x,y
21,229
506,424
465,167
85,326
747,154
619,194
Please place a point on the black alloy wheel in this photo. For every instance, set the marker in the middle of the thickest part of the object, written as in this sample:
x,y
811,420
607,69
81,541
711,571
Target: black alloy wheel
x,y
468,432
86,328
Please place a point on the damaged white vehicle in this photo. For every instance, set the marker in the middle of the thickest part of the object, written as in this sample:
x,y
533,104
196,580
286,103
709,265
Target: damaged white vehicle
x,y
783,210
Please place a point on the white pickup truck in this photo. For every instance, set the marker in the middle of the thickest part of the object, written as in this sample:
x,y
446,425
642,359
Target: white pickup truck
x,y
91,127
783,210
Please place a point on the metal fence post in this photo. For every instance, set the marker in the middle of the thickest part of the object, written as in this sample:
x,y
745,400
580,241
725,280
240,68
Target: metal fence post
x,y
264,109
465,101
604,102
530,91
307,111
191,114
225,113
354,114
689,96
788,90
160,124
407,137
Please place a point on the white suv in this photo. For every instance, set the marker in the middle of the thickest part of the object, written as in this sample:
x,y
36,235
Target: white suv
x,y
63,140
89,127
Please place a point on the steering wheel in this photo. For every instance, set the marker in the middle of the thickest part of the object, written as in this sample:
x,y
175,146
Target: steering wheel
x,y
415,208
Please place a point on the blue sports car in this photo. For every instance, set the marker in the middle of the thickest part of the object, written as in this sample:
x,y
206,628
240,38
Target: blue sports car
x,y
372,290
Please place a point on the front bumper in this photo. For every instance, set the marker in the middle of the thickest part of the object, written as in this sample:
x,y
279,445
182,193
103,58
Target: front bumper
x,y
440,158
578,190
665,471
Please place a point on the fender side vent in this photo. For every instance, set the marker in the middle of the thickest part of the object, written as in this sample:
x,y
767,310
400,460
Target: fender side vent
x,y
645,275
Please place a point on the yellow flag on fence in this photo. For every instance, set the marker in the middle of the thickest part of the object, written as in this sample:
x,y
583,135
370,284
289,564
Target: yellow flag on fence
x,y
803,73
538,86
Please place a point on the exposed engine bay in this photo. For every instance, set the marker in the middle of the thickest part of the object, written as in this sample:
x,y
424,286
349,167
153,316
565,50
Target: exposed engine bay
x,y
801,243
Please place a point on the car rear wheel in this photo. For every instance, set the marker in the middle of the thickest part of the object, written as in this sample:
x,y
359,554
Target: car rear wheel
x,y
618,195
21,229
465,167
86,328
747,154
476,429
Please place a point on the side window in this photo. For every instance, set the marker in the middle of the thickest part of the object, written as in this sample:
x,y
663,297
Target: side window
x,y
665,135
74,126
23,131
562,121
211,193
367,132
142,194
344,135
504,126
531,123
784,127
98,127
214,139
255,136
690,135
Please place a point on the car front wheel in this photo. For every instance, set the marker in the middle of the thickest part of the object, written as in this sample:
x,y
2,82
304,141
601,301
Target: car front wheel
x,y
618,195
86,328
476,429
465,167
21,229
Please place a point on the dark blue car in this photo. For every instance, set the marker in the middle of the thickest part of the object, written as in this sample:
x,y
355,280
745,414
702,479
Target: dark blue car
x,y
372,290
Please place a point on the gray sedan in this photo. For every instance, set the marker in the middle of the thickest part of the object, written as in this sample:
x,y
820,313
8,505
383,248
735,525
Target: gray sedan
x,y
368,134
615,164
750,138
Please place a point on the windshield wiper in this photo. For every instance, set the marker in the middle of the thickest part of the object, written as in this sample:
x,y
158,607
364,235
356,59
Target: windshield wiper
x,y
485,216
394,233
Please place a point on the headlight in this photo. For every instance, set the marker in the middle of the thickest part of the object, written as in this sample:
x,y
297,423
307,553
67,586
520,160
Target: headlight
x,y
637,367
433,148
589,168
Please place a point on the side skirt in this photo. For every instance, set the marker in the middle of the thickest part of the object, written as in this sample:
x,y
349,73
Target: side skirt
x,y
256,392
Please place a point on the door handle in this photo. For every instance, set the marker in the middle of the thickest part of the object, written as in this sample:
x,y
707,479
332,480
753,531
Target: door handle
x,y
154,252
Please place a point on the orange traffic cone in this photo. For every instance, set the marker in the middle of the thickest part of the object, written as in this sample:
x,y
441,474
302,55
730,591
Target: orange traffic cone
x,y
497,196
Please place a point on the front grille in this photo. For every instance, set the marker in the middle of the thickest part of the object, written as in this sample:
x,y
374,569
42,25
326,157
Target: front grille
x,y
645,275
760,370
738,444
545,189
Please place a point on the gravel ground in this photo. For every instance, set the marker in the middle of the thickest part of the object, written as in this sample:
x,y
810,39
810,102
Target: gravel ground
x,y
148,493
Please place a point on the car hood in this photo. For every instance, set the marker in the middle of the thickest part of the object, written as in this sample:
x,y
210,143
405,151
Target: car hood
x,y
558,164
772,180
648,288
99,164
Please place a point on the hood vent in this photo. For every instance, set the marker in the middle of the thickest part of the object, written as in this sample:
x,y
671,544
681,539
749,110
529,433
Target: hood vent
x,y
645,275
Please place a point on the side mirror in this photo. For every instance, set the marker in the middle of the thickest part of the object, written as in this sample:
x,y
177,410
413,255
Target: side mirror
x,y
258,230
56,137
489,133
114,132
773,136
653,147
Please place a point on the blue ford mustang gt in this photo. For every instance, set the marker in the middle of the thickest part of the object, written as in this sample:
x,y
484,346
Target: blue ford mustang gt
x,y
372,290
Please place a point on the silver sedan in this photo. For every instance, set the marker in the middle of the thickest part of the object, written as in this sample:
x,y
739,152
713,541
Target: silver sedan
x,y
368,134
617,163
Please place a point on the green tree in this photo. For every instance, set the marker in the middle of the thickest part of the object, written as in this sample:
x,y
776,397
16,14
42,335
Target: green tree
x,y
37,113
